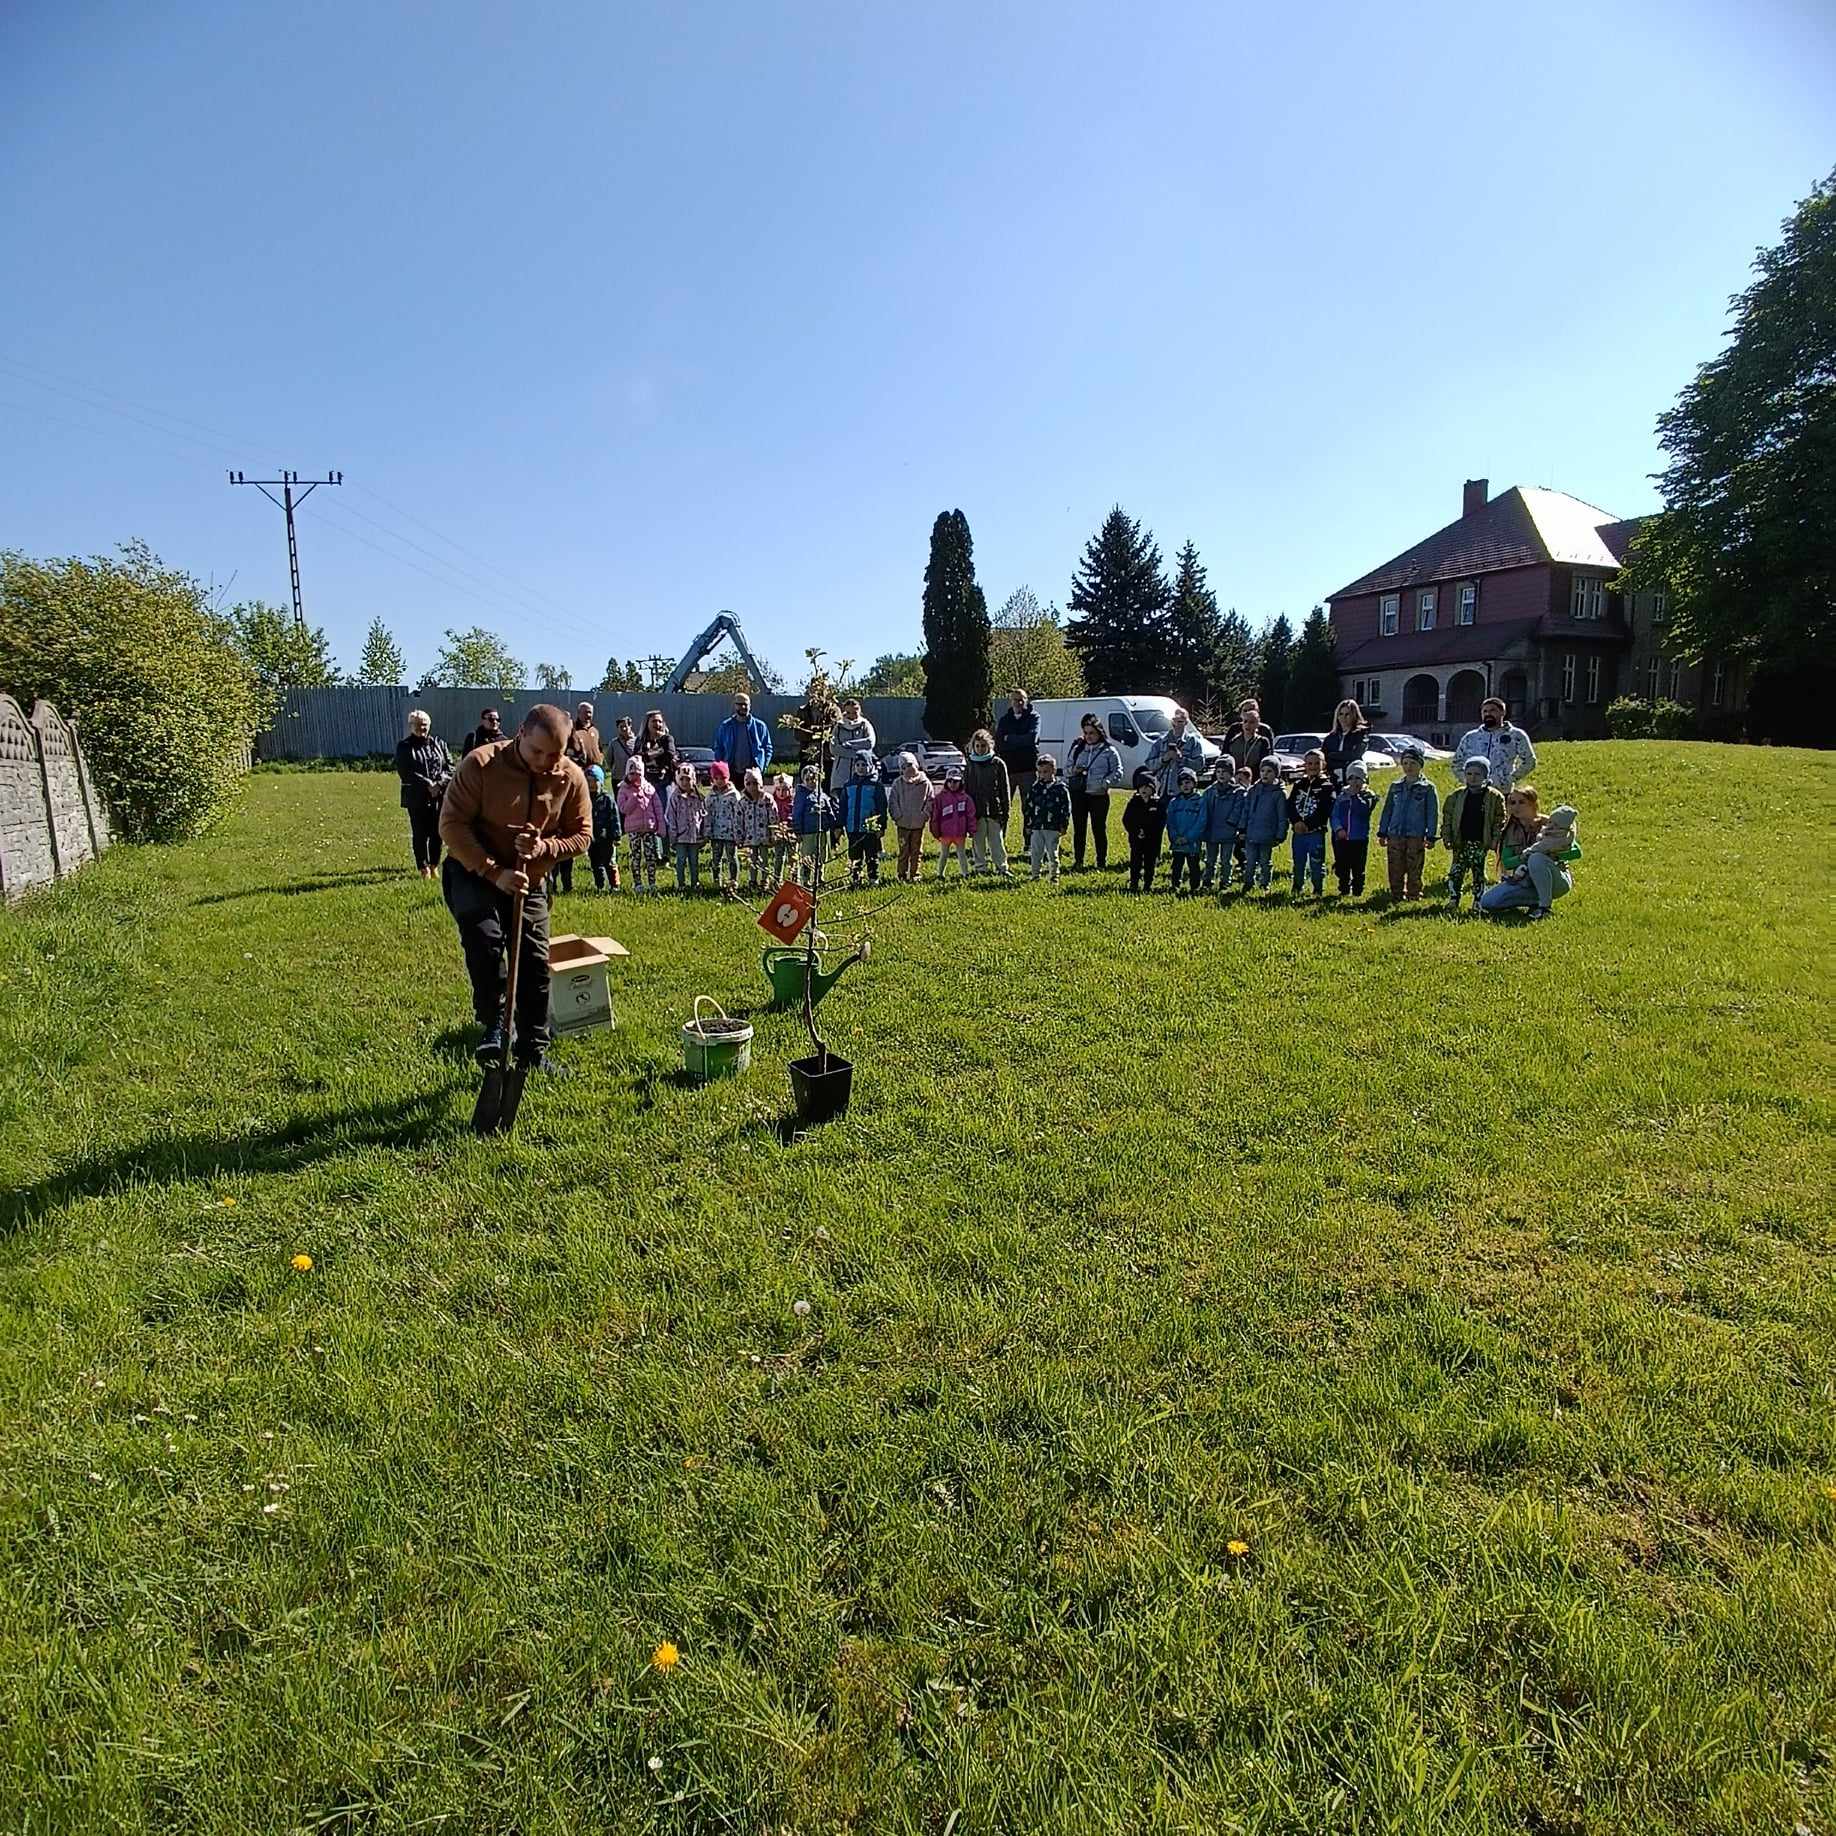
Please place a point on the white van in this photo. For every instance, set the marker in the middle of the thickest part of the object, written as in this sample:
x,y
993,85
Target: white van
x,y
1133,723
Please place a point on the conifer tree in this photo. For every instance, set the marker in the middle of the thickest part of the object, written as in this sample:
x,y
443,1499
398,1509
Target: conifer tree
x,y
958,677
1122,631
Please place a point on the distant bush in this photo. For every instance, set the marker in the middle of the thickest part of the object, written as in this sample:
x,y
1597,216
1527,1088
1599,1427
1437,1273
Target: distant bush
x,y
367,761
1633,717
130,650
1629,717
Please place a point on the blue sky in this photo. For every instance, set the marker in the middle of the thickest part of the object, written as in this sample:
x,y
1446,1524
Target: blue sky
x,y
621,316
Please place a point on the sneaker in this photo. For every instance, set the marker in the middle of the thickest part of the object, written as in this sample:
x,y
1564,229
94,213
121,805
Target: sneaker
x,y
490,1049
1536,912
539,1061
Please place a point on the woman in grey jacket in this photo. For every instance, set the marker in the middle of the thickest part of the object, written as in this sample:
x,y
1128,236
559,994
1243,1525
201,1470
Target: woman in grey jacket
x,y
852,733
1093,768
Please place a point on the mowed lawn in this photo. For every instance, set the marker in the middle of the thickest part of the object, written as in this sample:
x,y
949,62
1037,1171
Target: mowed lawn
x,y
1273,1368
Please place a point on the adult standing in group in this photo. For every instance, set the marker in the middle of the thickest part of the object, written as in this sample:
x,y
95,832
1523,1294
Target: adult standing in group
x,y
583,744
1347,743
1506,749
742,742
657,749
1178,749
423,764
1016,738
488,732
852,733
1093,768
514,808
1249,740
620,749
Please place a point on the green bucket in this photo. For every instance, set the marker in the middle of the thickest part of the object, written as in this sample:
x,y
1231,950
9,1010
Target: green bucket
x,y
716,1047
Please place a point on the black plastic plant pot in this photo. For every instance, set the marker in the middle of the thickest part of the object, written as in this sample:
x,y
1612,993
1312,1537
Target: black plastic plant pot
x,y
820,1093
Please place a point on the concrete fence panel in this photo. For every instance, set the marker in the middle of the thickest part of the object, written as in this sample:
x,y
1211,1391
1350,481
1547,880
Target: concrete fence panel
x,y
358,722
51,821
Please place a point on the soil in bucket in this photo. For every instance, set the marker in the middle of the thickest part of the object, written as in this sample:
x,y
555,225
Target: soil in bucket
x,y
820,1091
715,1046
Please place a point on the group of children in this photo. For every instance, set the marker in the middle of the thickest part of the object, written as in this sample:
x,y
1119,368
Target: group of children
x,y
1233,827
1236,824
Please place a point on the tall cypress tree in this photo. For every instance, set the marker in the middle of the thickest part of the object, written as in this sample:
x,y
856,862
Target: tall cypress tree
x,y
1313,680
1274,665
958,676
1123,633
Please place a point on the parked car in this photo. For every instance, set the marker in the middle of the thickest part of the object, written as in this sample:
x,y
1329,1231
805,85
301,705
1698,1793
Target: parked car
x,y
702,758
1133,723
935,757
1399,740
1377,755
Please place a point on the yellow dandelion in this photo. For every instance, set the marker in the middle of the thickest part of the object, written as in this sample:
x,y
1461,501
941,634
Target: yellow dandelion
x,y
1236,1547
1831,1490
666,1657
303,1263
691,1462
229,1201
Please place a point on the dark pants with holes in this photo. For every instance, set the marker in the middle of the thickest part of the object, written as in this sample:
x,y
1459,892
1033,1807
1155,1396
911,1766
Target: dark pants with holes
x,y
424,826
482,913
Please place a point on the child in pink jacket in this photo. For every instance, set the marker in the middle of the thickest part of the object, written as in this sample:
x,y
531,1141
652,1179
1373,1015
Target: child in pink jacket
x,y
953,823
641,811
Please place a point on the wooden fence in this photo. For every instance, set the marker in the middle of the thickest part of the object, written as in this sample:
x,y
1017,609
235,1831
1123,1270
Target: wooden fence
x,y
355,723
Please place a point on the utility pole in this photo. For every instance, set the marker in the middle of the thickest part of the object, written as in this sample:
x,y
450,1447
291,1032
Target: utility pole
x,y
291,495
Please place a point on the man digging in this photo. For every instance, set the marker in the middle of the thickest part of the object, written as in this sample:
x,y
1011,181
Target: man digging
x,y
513,809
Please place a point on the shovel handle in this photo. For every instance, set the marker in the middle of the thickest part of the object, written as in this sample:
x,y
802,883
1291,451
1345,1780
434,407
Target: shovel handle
x,y
516,957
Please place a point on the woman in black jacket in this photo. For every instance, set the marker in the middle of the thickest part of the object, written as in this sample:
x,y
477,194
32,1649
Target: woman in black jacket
x,y
657,748
1348,741
423,764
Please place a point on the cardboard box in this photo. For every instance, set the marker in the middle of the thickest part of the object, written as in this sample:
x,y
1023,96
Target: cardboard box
x,y
579,995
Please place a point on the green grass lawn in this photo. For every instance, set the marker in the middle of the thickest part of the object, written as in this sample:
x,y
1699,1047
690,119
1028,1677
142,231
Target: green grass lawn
x,y
1273,1368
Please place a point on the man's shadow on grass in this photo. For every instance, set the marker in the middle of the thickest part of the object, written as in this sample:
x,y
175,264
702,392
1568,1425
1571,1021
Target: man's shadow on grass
x,y
286,1148
324,882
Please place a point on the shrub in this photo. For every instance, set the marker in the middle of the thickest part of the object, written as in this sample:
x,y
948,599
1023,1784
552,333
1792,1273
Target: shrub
x,y
131,651
1672,720
1629,717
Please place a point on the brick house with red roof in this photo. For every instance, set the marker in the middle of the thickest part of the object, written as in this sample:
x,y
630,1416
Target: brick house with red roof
x,y
1514,599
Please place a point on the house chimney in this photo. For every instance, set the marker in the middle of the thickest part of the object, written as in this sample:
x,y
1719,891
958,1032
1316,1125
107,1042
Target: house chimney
x,y
1474,496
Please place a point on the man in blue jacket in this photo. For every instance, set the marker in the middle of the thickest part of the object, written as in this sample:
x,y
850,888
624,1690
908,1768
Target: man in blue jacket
x,y
741,742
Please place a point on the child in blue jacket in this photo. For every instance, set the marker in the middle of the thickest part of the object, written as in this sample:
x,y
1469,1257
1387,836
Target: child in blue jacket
x,y
1265,826
1351,830
1186,829
1224,804
1410,821
863,818
816,823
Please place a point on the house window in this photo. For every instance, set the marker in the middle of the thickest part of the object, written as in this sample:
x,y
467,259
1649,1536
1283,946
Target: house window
x,y
1587,597
1469,603
1386,615
1593,679
1660,609
1676,678
1718,685
1568,677
1424,611
1654,678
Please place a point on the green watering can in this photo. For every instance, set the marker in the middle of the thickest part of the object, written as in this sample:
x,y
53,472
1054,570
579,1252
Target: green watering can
x,y
784,968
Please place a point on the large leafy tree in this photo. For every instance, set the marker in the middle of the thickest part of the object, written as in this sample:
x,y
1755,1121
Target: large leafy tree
x,y
1029,649
1743,545
553,678
1313,677
476,659
1274,666
129,649
382,661
958,677
895,673
1122,632
281,653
